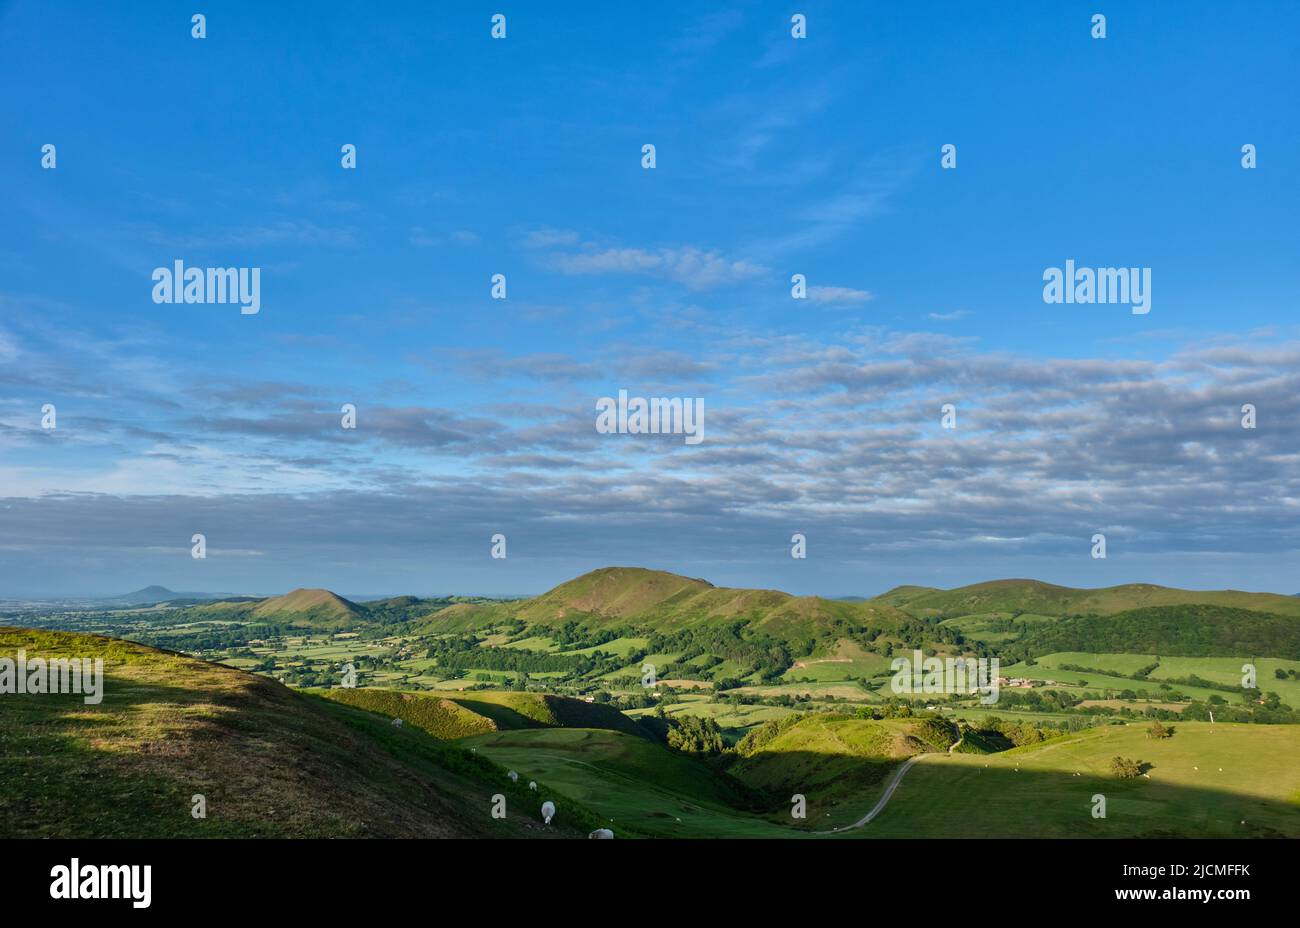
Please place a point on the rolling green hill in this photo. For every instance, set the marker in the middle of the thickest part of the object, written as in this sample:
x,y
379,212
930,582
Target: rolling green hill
x,y
542,710
268,760
314,607
1039,598
637,597
482,711
301,607
695,633
445,719
996,613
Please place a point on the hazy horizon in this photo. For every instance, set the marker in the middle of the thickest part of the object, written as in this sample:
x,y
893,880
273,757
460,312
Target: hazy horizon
x,y
501,594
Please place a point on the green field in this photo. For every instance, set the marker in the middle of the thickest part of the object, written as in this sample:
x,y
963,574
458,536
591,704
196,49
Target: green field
x,y
1227,671
1221,670
734,720
1081,681
982,626
847,660
629,781
1205,781
620,647
531,643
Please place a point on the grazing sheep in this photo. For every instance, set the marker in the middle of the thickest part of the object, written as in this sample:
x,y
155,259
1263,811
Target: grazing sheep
x,y
514,777
548,811
601,833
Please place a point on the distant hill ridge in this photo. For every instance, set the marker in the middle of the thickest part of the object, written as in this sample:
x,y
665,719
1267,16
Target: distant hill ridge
x,y
151,595
638,596
307,607
1034,596
320,603
666,601
663,601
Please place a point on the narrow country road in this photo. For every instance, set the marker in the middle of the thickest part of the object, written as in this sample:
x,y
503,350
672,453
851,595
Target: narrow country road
x,y
889,792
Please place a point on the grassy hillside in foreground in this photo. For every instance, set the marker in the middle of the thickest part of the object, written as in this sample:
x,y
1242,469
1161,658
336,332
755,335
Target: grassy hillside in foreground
x,y
483,711
275,762
270,761
1036,597
1206,781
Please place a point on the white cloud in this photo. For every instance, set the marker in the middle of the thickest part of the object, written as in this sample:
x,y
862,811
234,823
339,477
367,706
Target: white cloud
x,y
8,349
551,238
839,295
423,238
693,267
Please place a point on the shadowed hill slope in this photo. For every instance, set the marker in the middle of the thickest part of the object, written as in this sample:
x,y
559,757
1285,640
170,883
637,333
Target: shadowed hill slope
x,y
481,711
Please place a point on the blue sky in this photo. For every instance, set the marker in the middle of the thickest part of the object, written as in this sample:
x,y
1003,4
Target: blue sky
x,y
522,156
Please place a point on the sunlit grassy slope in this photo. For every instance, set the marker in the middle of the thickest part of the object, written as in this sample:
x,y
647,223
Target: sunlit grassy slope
x,y
269,761
1207,780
